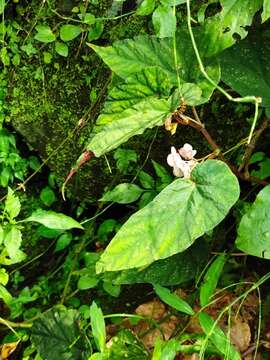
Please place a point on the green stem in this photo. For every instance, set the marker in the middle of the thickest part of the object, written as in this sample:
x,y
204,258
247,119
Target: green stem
x,y
11,325
175,56
254,122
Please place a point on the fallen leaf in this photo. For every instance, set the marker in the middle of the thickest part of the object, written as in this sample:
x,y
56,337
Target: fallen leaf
x,y
153,309
240,334
7,349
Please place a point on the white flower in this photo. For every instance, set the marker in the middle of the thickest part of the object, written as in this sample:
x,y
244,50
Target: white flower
x,y
187,152
175,161
181,168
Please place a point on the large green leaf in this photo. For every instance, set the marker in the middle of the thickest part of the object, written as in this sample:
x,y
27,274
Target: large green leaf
x,y
131,108
174,270
127,57
148,66
148,83
154,112
222,30
56,335
246,67
182,212
254,229
53,220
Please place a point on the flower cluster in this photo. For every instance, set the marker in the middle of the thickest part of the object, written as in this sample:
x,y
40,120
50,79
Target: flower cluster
x,y
182,161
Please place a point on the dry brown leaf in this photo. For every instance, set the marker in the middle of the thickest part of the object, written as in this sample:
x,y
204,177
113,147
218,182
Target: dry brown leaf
x,y
194,356
7,349
165,331
240,334
169,126
153,309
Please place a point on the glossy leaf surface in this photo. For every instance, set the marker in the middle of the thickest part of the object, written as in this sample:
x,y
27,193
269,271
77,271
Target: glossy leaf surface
x,y
174,270
61,49
254,228
182,212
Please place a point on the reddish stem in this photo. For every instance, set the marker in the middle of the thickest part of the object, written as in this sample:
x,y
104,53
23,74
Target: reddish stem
x,y
86,156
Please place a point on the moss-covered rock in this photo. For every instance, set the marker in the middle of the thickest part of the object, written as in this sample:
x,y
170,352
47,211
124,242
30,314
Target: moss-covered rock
x,y
54,105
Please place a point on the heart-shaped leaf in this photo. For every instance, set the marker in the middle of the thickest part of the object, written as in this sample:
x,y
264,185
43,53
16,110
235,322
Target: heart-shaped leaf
x,y
69,32
182,212
254,228
61,49
44,34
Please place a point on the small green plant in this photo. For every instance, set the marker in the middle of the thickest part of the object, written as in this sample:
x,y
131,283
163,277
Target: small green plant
x,y
11,235
12,165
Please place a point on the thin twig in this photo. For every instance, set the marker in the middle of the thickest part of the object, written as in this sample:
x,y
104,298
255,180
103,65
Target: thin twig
x,y
196,115
188,121
251,146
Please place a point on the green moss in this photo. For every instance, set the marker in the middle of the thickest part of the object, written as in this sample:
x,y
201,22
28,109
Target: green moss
x,y
128,27
47,110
